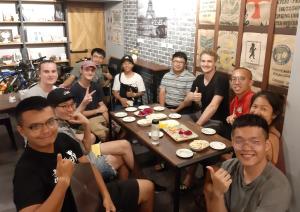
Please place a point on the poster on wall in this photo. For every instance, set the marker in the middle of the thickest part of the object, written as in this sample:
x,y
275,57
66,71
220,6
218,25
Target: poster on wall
x,y
207,12
287,13
6,35
152,22
281,61
253,53
116,26
230,12
227,44
205,41
257,12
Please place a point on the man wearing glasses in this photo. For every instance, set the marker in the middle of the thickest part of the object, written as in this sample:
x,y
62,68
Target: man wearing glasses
x,y
241,82
43,173
176,84
249,182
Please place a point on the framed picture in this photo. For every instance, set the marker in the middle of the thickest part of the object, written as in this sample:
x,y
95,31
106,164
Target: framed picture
x,y
6,35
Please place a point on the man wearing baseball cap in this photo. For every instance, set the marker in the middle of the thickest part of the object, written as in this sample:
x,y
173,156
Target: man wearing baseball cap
x,y
111,156
89,95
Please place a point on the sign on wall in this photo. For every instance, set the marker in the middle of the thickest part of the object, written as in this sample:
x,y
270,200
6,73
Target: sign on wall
x,y
253,53
281,62
257,12
230,12
205,41
287,13
152,21
227,44
207,13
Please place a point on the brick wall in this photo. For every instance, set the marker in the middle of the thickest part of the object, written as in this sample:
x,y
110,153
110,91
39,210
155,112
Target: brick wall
x,y
180,33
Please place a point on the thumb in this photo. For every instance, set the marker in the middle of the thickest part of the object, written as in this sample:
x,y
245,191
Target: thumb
x,y
211,170
59,158
196,90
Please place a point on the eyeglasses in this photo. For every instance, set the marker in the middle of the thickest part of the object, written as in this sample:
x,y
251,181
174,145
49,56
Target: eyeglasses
x,y
180,62
37,127
240,79
66,106
253,144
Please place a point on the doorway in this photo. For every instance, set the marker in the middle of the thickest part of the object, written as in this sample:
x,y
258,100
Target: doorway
x,y
86,25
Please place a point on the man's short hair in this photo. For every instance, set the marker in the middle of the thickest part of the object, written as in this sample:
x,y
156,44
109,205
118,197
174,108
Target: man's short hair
x,y
31,103
210,52
98,51
245,69
251,120
180,55
43,62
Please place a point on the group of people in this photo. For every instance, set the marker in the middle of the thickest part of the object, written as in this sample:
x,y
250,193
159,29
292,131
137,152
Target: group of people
x,y
61,125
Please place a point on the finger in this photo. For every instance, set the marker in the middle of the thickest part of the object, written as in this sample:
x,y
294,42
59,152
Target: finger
x,y
87,90
59,159
211,171
92,92
196,90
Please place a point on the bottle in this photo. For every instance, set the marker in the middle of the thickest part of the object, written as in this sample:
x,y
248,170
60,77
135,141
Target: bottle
x,y
155,132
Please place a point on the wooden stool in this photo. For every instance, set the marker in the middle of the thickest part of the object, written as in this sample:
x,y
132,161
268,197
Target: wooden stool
x,y
5,120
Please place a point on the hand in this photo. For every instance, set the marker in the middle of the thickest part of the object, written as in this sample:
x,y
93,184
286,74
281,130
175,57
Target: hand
x,y
230,119
61,86
123,102
197,95
88,96
64,169
221,180
78,118
108,204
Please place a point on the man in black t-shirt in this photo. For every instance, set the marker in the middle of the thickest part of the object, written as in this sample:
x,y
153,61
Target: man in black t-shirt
x,y
88,96
43,173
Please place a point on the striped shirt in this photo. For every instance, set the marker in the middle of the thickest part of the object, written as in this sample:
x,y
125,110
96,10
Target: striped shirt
x,y
176,86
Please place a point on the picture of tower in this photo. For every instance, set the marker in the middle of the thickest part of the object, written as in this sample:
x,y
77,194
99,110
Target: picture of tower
x,y
150,12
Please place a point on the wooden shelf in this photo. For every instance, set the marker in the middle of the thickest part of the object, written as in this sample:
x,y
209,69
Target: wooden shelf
x,y
44,22
8,65
10,44
46,43
41,1
10,22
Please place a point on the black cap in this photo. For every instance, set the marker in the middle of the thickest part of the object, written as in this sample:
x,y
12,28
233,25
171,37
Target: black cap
x,y
59,95
127,58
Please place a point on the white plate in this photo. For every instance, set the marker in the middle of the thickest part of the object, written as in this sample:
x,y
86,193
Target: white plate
x,y
120,114
142,107
158,116
217,145
208,131
131,109
158,108
199,145
161,134
174,115
184,153
144,122
129,119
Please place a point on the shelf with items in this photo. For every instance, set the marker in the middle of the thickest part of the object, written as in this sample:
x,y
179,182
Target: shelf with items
x,y
11,44
44,22
9,22
258,35
46,43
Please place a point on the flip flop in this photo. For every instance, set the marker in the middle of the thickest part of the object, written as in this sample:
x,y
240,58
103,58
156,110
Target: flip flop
x,y
159,167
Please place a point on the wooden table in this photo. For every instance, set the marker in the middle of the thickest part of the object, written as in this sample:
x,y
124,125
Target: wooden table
x,y
167,147
5,105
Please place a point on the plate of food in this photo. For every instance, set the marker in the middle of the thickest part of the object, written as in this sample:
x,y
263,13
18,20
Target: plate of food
x,y
130,109
199,145
174,116
129,119
161,134
184,153
158,116
208,131
168,123
144,122
142,107
159,108
120,114
217,145
144,112
180,133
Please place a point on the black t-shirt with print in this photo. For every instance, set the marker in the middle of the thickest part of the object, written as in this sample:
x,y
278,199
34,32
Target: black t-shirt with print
x,y
35,174
218,85
79,92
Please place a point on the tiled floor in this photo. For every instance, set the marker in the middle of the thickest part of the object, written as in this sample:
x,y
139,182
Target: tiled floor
x,y
163,200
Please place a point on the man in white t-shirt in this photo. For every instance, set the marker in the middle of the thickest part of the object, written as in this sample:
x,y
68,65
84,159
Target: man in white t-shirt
x,y
48,76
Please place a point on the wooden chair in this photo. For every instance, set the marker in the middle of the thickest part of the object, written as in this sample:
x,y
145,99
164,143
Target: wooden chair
x,y
5,120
